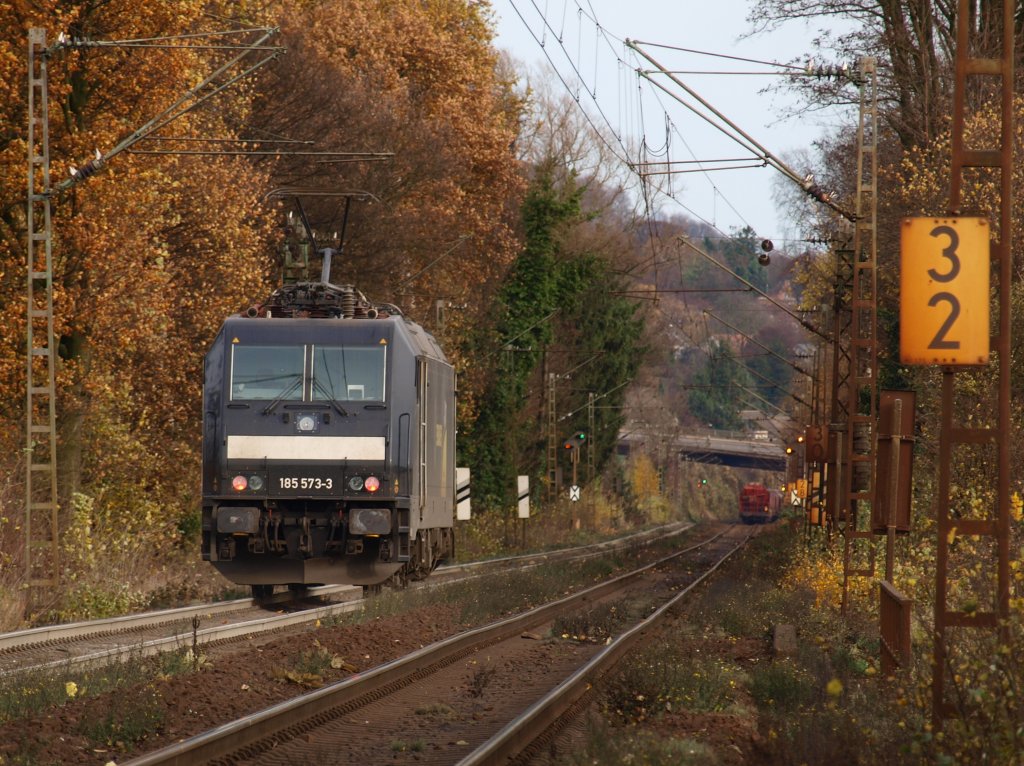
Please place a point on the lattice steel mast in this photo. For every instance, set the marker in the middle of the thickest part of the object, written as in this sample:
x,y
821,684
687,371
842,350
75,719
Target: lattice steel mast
x,y
862,384
40,526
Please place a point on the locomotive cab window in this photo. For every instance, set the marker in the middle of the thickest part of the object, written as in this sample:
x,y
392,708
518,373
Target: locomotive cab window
x,y
267,372
349,374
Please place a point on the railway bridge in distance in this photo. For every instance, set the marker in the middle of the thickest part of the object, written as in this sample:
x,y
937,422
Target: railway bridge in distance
x,y
738,450
728,448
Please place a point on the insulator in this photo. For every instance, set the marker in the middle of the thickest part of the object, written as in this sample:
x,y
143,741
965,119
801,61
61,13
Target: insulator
x,y
348,302
87,170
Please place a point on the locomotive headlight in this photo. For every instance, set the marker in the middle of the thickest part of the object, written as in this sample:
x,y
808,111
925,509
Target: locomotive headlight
x,y
239,483
355,483
306,423
372,484
255,483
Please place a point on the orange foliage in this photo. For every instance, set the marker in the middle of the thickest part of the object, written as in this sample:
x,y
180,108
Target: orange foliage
x,y
148,255
152,252
419,80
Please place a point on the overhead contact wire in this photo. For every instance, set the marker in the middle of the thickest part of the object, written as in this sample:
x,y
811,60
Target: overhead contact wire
x,y
616,151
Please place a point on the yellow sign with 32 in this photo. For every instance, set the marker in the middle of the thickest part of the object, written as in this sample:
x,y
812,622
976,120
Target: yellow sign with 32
x,y
944,291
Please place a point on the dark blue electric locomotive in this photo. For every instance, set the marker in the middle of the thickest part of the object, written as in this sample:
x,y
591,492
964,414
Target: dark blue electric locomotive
x,y
328,443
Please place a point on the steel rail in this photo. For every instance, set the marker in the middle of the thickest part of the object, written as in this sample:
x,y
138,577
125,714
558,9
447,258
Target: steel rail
x,y
520,733
125,652
296,714
98,629
59,633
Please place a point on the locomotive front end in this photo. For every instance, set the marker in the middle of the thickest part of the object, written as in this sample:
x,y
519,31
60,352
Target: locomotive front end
x,y
310,459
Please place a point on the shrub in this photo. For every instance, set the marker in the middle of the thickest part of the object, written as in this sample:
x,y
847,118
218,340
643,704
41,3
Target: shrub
x,y
781,685
663,678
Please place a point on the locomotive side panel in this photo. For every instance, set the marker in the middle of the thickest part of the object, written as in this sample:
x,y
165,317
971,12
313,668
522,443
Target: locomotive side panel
x,y
437,496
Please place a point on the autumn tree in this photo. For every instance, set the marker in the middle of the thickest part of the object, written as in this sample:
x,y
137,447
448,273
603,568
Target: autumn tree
x,y
149,255
431,227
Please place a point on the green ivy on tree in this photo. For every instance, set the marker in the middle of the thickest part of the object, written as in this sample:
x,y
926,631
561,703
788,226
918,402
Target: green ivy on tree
x,y
550,296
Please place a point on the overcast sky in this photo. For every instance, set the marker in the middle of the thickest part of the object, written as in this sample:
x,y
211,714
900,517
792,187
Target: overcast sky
x,y
595,56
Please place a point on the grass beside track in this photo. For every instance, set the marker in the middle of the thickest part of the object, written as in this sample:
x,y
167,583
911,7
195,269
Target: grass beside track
x,y
707,689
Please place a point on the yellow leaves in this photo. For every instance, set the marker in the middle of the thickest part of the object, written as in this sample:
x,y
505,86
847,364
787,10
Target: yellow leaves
x,y
71,689
644,478
820,571
338,663
308,680
834,688
1016,507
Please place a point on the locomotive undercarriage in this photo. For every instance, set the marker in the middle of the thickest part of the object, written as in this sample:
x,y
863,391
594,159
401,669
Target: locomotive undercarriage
x,y
311,542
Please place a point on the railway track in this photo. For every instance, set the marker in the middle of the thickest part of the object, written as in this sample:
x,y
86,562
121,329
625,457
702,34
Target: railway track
x,y
98,642
481,697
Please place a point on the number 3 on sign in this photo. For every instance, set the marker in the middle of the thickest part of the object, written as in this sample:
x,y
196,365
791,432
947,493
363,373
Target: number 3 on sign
x,y
944,300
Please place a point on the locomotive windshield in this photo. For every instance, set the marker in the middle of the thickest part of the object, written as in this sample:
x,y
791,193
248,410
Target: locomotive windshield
x,y
308,373
267,372
348,374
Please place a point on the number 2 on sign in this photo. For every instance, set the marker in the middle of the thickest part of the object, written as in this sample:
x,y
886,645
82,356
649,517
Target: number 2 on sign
x,y
944,282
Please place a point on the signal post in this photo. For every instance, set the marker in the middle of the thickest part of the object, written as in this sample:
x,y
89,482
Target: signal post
x,y
573,445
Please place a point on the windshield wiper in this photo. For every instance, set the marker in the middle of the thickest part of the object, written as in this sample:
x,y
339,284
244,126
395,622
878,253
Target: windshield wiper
x,y
295,383
334,402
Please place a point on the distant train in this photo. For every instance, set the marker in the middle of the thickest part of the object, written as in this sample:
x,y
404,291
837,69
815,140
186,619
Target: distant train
x,y
328,443
758,504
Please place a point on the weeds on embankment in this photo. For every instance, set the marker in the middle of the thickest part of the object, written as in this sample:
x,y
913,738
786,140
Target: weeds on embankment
x,y
708,689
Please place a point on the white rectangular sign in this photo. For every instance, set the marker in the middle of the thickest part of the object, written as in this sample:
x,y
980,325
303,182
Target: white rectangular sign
x,y
463,512
523,485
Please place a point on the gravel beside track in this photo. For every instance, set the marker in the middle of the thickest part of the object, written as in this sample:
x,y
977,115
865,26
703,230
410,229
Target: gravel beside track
x,y
237,678
98,642
439,704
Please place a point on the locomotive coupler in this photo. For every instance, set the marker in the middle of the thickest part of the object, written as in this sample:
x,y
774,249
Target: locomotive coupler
x,y
226,549
275,542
